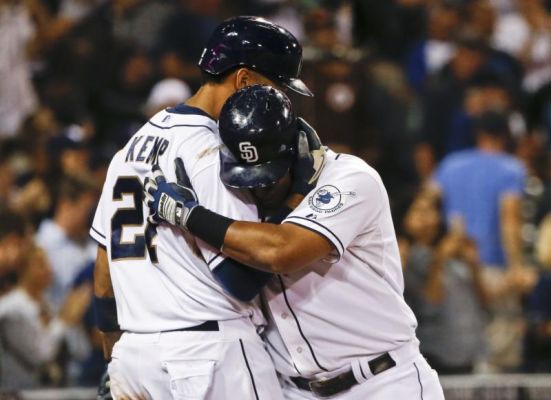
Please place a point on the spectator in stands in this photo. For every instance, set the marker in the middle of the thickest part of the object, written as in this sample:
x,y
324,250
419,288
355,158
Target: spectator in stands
x,y
444,93
69,154
123,101
166,93
31,198
537,343
444,287
64,237
192,19
35,133
6,171
14,245
337,76
530,26
29,336
390,28
433,52
17,94
484,187
485,93
21,188
138,23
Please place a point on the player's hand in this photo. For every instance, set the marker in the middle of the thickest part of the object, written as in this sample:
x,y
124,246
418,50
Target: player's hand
x,y
104,388
309,161
169,202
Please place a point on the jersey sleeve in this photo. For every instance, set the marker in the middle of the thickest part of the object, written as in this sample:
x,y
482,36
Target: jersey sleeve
x,y
342,208
213,195
98,231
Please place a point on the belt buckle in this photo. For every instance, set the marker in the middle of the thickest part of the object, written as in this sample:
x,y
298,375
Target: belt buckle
x,y
316,387
331,386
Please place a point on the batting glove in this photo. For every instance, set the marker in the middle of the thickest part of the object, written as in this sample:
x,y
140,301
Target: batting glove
x,y
309,161
169,202
104,388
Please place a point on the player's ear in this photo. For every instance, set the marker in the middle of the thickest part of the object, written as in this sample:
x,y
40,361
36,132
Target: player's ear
x,y
243,78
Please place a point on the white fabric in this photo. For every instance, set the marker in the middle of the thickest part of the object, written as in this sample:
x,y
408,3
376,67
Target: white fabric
x,y
230,363
26,343
179,291
66,257
350,305
538,65
17,96
437,54
169,91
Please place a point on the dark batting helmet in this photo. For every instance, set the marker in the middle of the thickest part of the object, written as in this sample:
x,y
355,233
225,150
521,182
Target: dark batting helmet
x,y
258,129
257,44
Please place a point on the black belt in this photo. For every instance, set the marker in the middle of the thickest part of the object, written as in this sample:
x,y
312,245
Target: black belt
x,y
204,327
344,381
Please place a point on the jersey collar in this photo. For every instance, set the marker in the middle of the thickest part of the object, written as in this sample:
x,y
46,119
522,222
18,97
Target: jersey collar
x,y
188,110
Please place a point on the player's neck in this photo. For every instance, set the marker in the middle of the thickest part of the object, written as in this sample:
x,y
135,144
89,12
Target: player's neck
x,y
210,98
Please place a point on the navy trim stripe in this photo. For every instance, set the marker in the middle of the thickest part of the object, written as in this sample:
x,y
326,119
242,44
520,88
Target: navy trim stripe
x,y
315,231
249,368
419,380
298,325
362,371
100,244
181,125
184,109
338,155
98,232
214,258
320,225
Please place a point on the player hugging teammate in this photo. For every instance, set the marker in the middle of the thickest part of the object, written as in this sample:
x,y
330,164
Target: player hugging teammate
x,y
252,208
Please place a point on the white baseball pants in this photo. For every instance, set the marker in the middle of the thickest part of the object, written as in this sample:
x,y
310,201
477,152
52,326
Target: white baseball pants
x,y
231,363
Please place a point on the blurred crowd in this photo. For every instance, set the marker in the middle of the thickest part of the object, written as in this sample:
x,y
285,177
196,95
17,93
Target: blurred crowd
x,y
450,100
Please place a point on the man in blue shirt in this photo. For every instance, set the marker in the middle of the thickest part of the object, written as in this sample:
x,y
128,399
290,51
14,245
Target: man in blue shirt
x,y
483,187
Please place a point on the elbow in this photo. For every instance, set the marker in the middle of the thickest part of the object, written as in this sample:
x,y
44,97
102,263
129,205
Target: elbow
x,y
281,259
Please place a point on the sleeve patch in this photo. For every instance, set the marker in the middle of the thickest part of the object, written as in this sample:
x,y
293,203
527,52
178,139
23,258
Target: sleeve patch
x,y
328,198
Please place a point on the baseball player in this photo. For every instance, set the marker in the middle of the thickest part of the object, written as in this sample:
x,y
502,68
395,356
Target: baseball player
x,y
339,325
190,327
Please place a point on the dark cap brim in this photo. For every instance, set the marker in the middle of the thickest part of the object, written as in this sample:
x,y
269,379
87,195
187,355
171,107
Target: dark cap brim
x,y
239,175
298,86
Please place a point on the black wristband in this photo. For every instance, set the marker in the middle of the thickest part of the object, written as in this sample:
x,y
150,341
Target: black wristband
x,y
208,226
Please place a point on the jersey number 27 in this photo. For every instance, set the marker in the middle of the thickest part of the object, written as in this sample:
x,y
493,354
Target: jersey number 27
x,y
131,216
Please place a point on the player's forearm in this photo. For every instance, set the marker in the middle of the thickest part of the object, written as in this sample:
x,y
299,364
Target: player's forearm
x,y
276,248
104,304
261,246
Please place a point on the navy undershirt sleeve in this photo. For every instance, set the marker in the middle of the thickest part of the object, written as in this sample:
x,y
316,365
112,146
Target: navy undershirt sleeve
x,y
242,282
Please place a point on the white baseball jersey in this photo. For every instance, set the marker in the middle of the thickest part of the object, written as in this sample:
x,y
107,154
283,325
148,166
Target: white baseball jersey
x,y
351,304
161,278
